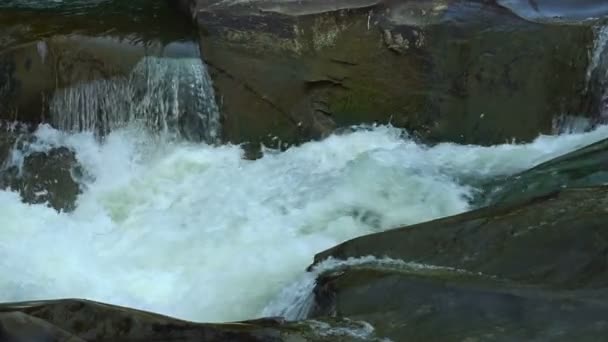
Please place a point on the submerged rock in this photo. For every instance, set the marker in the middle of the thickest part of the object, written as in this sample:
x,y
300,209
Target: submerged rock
x,y
81,320
43,177
463,71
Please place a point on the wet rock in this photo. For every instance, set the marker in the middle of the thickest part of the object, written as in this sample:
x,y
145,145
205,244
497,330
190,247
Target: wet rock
x,y
464,71
453,306
557,241
585,167
531,270
48,177
90,321
60,45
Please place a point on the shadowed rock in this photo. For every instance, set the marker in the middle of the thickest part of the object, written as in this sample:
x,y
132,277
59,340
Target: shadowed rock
x,y
453,306
534,270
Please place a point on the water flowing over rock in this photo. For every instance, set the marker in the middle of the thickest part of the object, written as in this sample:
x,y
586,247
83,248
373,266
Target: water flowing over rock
x,y
172,96
80,84
463,71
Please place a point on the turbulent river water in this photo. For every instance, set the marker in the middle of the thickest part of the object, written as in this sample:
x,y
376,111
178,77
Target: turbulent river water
x,y
197,231
200,233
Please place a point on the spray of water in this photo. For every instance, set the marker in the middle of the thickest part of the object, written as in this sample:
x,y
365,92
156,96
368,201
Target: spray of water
x,y
173,96
198,232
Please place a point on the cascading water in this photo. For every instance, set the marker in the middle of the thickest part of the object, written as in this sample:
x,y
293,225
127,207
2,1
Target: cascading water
x,y
597,72
171,95
199,232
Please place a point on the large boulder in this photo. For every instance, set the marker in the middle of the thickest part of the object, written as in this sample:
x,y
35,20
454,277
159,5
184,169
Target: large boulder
x,y
559,240
533,270
81,320
445,306
463,71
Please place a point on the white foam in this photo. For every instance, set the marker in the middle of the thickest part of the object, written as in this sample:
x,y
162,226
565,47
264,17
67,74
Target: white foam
x,y
200,233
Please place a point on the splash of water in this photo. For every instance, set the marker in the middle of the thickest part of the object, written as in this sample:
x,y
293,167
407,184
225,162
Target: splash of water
x,y
600,44
173,96
198,232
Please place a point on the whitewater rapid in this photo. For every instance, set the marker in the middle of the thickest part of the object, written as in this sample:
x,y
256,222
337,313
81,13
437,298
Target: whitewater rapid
x,y
200,233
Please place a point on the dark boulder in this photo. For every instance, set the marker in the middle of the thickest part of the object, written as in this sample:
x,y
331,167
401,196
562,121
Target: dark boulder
x,y
534,270
463,71
454,306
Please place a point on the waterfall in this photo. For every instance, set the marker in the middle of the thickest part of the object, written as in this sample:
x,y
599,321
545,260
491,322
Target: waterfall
x,y
597,72
173,96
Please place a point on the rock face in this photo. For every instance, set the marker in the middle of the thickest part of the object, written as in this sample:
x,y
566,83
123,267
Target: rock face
x,y
40,177
534,270
86,321
463,71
